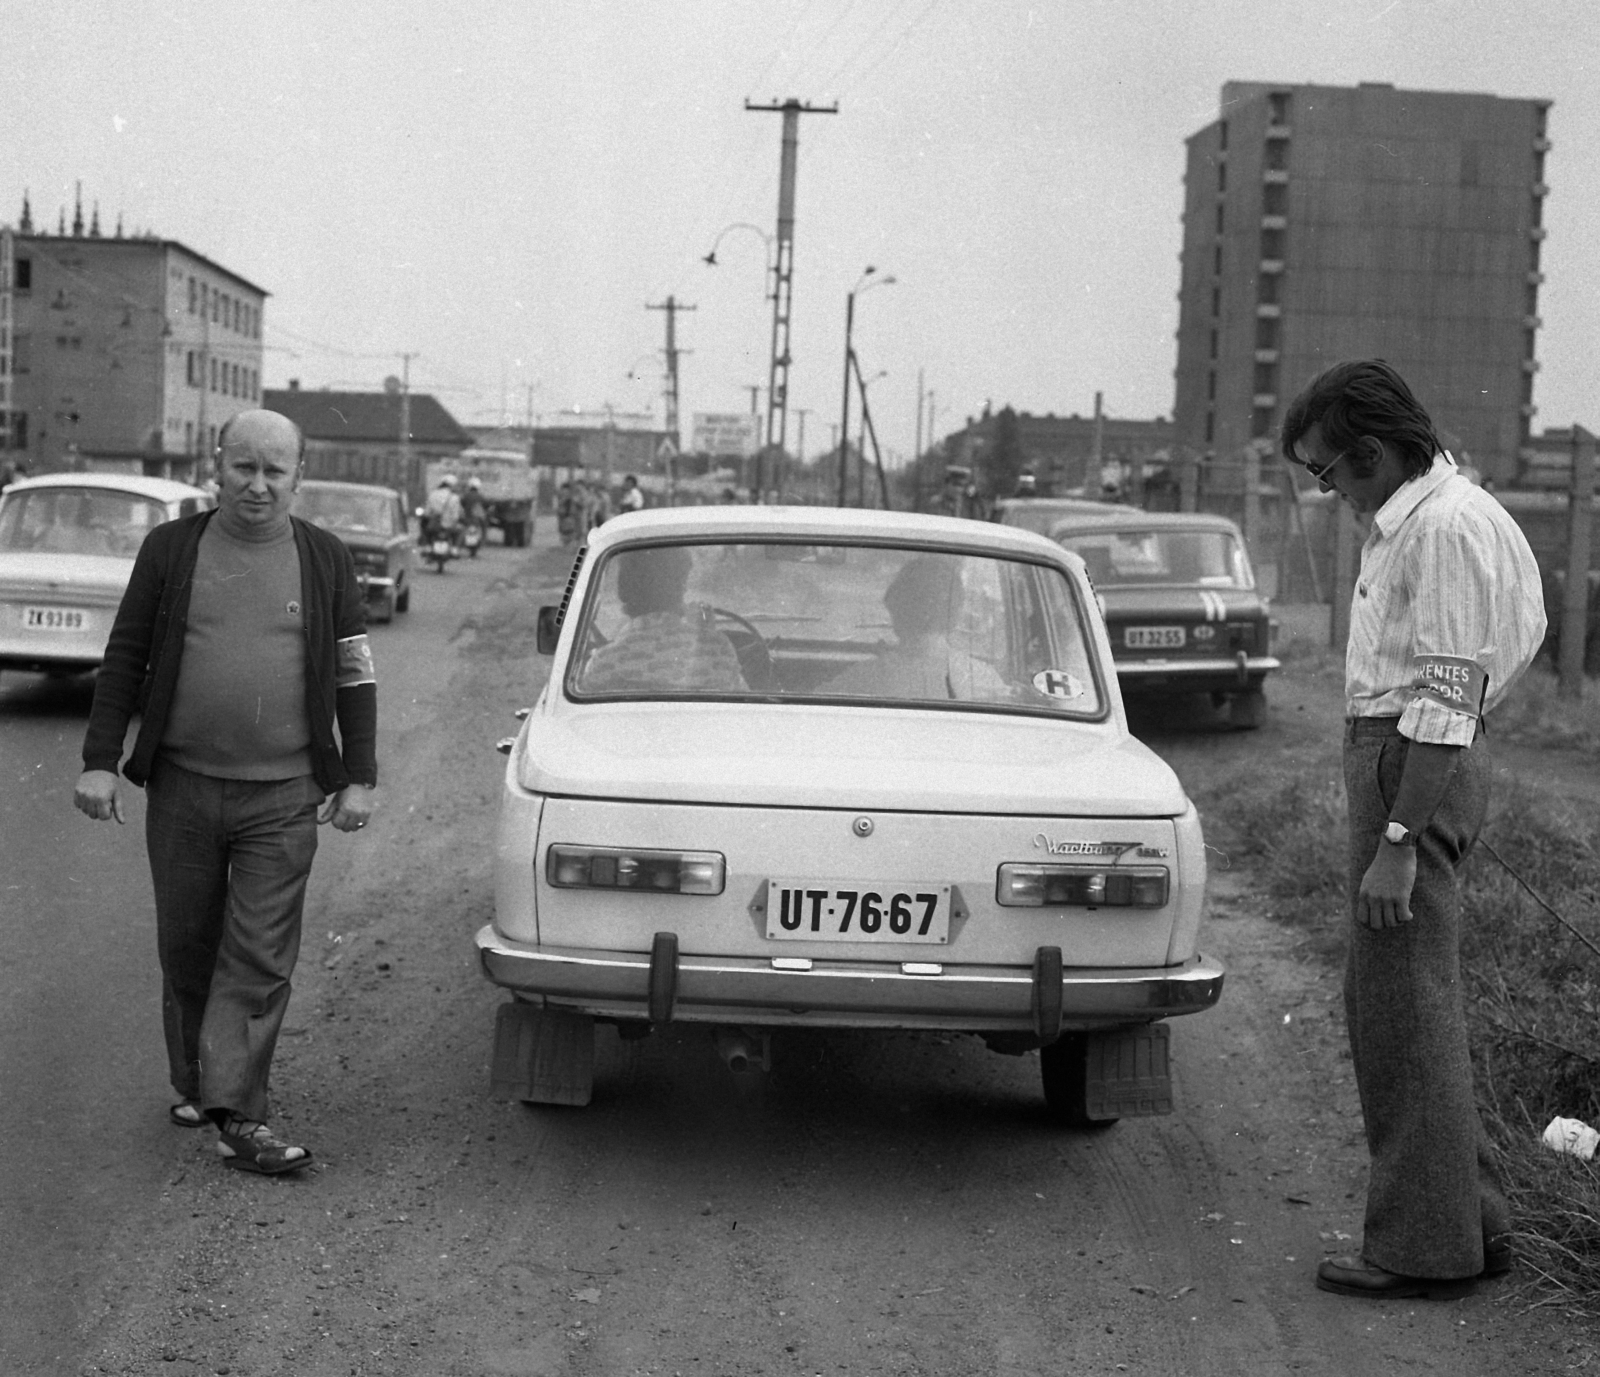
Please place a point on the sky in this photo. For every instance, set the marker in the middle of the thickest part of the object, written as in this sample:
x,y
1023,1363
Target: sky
x,y
500,188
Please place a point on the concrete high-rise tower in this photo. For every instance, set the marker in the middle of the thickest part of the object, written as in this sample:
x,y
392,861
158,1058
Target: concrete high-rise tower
x,y
1322,223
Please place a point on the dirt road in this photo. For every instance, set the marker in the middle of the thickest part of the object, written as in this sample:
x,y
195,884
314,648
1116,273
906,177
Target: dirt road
x,y
879,1205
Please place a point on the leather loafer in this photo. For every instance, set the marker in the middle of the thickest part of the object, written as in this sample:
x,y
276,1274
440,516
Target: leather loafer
x,y
1346,1276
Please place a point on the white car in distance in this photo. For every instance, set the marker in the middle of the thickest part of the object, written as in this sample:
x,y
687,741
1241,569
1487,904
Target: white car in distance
x,y
807,767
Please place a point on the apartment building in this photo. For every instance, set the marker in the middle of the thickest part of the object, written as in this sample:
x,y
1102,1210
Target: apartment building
x,y
122,353
1323,223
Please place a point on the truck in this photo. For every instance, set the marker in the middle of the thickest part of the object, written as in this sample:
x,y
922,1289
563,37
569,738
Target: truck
x,y
507,481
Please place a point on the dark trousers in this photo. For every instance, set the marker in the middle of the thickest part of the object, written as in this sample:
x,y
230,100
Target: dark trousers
x,y
229,859
1433,1196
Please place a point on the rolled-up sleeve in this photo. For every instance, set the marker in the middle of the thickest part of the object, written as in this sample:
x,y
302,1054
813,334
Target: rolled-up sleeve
x,y
1450,581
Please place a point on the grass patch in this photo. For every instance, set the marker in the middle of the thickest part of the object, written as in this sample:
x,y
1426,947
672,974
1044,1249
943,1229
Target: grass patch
x,y
1536,714
1532,980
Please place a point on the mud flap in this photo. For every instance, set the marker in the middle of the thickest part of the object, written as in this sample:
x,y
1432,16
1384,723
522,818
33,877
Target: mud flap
x,y
1128,1074
542,1056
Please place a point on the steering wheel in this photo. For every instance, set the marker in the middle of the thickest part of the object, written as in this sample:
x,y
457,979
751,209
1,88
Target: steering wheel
x,y
755,660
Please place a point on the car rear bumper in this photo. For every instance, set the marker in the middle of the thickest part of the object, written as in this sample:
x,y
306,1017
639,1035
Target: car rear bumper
x,y
375,583
1195,674
663,986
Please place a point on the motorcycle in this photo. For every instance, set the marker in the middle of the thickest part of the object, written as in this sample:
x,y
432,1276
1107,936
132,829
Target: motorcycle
x,y
438,544
472,538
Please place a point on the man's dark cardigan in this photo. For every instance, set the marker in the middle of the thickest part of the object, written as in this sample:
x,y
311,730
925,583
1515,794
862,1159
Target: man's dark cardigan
x,y
140,671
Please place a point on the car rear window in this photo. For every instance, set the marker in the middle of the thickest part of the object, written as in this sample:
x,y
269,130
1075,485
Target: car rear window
x,y
1118,559
347,513
78,521
841,623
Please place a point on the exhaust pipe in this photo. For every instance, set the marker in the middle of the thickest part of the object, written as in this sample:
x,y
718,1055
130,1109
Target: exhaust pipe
x,y
743,1051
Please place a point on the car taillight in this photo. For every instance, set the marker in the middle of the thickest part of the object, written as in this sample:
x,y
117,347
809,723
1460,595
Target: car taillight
x,y
1081,886
659,872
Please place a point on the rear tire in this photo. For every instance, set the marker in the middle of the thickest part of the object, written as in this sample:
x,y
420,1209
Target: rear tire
x,y
402,599
1248,710
386,608
1064,1071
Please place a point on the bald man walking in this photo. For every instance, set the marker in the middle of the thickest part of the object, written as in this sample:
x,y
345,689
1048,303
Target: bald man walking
x,y
241,640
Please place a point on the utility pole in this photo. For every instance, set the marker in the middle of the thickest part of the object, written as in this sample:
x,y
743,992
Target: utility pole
x,y
412,480
783,267
670,392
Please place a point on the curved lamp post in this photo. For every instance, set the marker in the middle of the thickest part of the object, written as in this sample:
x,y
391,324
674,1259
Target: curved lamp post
x,y
866,283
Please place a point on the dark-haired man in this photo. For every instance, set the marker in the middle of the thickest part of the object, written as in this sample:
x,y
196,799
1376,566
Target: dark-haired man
x,y
241,639
1445,617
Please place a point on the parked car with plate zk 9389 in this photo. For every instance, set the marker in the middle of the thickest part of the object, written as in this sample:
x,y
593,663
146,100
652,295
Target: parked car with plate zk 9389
x,y
1180,603
67,545
800,767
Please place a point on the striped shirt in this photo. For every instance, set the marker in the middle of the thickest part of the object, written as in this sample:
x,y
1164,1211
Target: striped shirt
x,y
1448,603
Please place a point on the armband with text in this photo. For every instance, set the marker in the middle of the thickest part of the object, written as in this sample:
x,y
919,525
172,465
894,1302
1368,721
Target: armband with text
x,y
353,662
1451,681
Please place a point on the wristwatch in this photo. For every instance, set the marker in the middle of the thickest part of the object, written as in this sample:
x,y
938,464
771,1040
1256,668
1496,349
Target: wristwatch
x,y
1398,834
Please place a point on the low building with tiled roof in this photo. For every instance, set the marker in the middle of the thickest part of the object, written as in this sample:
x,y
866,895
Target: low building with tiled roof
x,y
355,436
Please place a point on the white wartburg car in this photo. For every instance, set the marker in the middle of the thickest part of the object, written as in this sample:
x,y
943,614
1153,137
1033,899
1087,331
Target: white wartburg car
x,y
805,767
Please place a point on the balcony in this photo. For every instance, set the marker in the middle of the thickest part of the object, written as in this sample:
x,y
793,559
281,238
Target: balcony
x,y
1282,131
1268,310
1536,279
1542,145
1266,355
1264,401
1532,322
1274,176
1270,265
1538,232
1274,222
1540,189
1530,365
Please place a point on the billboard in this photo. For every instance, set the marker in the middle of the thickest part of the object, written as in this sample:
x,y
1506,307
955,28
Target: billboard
x,y
727,435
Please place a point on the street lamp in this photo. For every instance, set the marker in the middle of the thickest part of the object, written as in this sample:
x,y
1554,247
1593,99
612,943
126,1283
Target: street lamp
x,y
861,435
863,285
710,258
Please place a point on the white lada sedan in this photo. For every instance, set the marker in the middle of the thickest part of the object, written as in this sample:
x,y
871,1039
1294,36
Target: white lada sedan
x,y
805,767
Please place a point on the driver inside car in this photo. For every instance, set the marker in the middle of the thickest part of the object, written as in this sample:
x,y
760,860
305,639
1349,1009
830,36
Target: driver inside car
x,y
663,646
922,601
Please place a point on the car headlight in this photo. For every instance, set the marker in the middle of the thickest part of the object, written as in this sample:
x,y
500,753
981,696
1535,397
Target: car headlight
x,y
658,872
1081,886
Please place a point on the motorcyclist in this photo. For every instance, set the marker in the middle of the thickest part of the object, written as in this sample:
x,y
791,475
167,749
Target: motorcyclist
x,y
443,513
474,515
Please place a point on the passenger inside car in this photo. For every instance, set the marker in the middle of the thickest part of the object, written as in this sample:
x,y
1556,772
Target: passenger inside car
x,y
663,646
923,603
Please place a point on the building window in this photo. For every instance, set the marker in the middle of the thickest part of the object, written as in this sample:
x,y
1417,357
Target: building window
x,y
188,437
1266,333
1211,426
1272,242
213,375
1266,379
1278,107
1216,302
1219,219
1267,288
1277,155
1222,135
1222,177
19,430
213,439
22,276
21,352
188,368
193,293
1216,261
1537,210
1261,422
1213,344
1274,199
1211,385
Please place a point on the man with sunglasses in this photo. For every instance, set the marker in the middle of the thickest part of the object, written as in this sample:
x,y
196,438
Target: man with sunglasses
x,y
1446,615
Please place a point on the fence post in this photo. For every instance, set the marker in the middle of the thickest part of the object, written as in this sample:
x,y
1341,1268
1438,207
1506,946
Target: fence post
x,y
1575,601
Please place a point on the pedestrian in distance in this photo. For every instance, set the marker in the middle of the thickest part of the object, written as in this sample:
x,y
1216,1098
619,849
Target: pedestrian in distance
x,y
1445,617
241,642
632,499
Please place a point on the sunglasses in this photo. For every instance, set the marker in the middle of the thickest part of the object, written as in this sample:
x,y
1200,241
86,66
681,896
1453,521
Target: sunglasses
x,y
1317,475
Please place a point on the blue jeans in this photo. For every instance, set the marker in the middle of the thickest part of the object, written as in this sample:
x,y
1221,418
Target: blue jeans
x,y
229,859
